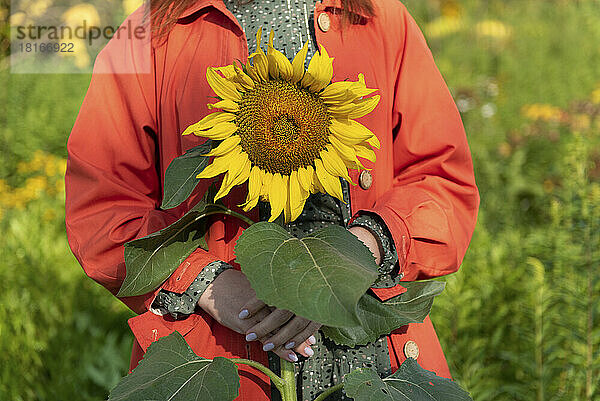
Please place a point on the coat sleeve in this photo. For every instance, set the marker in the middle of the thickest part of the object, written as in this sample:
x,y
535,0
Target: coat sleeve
x,y
432,206
113,179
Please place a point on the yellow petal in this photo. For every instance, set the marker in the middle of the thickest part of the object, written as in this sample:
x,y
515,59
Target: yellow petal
x,y
374,141
277,196
330,183
320,71
226,146
258,40
366,153
237,174
209,121
316,185
308,79
286,203
260,69
219,131
243,78
349,131
226,105
334,164
342,96
347,153
227,70
305,176
298,63
356,109
279,65
265,180
336,88
224,88
298,196
287,211
361,89
219,165
344,92
254,185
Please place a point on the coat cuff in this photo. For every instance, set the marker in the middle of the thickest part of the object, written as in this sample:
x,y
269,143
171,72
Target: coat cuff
x,y
182,305
388,272
183,276
401,239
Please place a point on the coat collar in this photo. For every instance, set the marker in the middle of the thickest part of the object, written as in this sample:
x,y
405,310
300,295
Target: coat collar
x,y
201,4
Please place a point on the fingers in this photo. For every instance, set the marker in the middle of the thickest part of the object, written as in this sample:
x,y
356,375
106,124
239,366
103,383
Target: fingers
x,y
251,307
286,354
271,323
253,320
283,336
295,334
305,339
303,349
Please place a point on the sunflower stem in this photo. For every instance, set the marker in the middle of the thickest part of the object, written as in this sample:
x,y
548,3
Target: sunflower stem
x,y
276,380
240,216
288,370
323,396
288,375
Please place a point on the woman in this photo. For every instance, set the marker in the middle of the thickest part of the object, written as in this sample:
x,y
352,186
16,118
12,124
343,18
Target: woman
x,y
415,208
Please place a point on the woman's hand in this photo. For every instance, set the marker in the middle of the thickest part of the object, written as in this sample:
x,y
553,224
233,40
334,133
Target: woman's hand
x,y
224,297
230,294
280,331
232,302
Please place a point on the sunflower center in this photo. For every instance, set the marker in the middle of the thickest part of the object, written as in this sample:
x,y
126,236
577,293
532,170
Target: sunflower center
x,y
282,127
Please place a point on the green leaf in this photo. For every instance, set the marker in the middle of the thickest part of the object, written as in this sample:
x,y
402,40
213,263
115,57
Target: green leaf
x,y
170,370
152,259
378,318
180,177
320,277
409,383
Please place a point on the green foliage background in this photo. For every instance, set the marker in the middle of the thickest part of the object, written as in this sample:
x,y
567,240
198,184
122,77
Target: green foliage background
x,y
520,319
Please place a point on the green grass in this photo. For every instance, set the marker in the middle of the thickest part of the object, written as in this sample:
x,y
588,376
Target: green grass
x,y
64,337
518,322
39,111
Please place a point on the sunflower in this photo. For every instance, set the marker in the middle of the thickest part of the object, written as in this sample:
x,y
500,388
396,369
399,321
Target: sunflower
x,y
287,131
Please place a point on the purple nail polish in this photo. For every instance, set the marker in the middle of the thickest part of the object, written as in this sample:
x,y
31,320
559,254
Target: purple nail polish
x,y
293,357
312,340
290,345
244,314
251,337
268,347
308,351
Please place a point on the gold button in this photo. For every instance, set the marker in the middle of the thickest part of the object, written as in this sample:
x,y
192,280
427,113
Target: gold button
x,y
365,180
411,350
324,22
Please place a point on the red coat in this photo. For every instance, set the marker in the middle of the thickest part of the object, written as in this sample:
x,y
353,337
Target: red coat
x,y
129,129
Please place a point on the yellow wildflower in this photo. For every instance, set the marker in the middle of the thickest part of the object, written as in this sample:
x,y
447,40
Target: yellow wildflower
x,y
77,14
542,112
129,6
580,122
493,29
443,26
451,8
596,96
